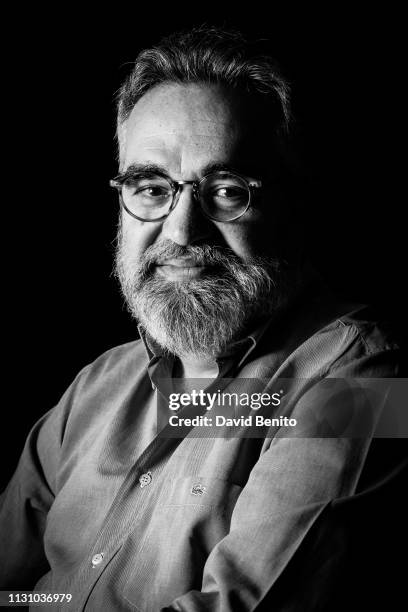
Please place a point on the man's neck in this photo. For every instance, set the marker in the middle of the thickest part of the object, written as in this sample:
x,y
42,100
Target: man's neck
x,y
195,367
186,369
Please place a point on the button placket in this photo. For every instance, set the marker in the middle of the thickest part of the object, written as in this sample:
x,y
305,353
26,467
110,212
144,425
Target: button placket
x,y
110,540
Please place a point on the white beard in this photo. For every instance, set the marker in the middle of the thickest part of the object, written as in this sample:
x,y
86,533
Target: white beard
x,y
199,317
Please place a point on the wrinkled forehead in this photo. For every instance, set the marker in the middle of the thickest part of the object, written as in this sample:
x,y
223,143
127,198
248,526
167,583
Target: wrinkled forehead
x,y
193,105
172,115
203,119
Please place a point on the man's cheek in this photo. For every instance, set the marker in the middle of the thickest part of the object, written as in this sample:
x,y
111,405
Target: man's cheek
x,y
242,240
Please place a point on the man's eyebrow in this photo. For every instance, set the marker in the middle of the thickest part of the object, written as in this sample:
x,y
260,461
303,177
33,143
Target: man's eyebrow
x,y
147,167
158,169
217,167
245,170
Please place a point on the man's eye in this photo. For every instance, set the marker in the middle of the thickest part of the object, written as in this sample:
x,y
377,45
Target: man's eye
x,y
153,191
228,192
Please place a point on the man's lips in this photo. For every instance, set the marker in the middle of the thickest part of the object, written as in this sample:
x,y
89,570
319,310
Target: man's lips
x,y
179,268
180,262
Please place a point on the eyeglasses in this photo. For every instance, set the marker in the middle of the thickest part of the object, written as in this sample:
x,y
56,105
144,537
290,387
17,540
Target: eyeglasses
x,y
223,196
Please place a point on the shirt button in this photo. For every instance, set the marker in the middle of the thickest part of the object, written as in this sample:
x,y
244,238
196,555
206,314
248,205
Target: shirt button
x,y
145,479
97,559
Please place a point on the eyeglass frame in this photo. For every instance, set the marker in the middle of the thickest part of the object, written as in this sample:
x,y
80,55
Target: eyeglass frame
x,y
118,181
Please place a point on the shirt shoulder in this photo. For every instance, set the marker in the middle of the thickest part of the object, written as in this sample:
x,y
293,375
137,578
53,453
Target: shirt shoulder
x,y
131,353
358,342
322,334
123,357
375,332
94,396
103,379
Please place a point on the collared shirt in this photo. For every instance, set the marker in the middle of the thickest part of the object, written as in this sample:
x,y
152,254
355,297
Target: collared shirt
x,y
123,519
161,367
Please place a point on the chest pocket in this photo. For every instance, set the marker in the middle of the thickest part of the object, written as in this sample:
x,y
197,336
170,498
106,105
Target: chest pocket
x,y
192,515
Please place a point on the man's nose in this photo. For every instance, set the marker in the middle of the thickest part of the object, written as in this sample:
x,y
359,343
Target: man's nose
x,y
186,224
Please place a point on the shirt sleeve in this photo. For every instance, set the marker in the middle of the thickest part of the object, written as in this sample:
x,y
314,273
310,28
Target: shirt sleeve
x,y
25,503
286,495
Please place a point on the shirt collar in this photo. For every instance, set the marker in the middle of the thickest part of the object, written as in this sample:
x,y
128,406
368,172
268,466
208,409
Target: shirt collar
x,y
240,349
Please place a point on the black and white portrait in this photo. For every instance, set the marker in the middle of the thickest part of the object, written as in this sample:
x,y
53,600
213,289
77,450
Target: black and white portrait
x,y
206,372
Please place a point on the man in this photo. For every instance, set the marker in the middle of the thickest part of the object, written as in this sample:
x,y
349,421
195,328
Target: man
x,y
110,506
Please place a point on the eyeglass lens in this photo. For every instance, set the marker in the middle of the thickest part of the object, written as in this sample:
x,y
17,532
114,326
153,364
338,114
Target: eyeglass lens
x,y
223,196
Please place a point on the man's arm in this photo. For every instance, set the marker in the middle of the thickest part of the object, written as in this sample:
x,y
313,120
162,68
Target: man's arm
x,y
286,496
25,503
23,511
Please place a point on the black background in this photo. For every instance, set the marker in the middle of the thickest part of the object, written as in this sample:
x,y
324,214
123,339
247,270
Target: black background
x,y
61,70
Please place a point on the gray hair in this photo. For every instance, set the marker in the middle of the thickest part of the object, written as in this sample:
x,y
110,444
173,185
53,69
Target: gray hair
x,y
210,55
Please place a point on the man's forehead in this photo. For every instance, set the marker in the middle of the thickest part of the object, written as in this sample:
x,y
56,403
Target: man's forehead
x,y
199,100
196,119
177,112
178,152
180,121
156,140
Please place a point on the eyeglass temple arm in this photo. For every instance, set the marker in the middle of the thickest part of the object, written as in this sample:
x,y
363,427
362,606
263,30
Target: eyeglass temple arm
x,y
255,185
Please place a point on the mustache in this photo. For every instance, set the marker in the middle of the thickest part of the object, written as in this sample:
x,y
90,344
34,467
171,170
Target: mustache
x,y
202,255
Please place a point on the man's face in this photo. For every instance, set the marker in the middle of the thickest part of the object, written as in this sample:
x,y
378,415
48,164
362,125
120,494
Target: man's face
x,y
185,129
163,266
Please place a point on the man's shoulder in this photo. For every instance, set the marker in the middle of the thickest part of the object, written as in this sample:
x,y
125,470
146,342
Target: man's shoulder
x,y
117,363
129,351
367,326
103,380
360,340
324,333
320,311
374,328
